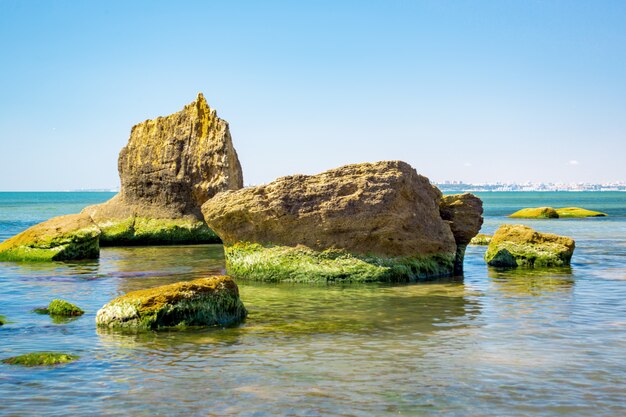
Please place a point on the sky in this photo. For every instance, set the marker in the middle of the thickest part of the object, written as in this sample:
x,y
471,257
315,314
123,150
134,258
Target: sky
x,y
474,91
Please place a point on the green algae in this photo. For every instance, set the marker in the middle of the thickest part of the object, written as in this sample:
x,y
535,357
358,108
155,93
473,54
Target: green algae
x,y
143,231
511,254
301,264
3,320
60,308
40,359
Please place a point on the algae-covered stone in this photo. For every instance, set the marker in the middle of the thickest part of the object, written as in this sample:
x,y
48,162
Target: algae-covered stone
x,y
518,245
481,239
536,213
577,212
169,168
361,222
3,320
63,238
41,359
202,302
61,308
558,213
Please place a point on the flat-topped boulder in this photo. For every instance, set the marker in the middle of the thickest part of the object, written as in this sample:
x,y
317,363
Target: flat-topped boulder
x,y
558,213
212,301
363,222
62,238
519,245
169,168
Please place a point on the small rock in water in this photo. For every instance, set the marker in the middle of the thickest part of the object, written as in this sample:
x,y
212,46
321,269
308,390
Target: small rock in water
x,y
212,301
40,359
518,245
61,308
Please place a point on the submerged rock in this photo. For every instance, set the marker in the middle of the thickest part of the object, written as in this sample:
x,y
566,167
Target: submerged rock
x,y
202,302
481,240
518,245
577,212
40,359
364,222
61,308
464,212
63,238
169,168
551,213
536,213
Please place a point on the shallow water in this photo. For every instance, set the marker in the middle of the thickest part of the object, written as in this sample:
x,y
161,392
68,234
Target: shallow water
x,y
493,343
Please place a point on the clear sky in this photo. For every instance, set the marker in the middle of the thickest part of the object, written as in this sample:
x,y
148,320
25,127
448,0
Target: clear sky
x,y
462,90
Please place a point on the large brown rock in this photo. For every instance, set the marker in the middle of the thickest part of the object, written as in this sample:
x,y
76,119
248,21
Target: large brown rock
x,y
169,168
363,222
464,212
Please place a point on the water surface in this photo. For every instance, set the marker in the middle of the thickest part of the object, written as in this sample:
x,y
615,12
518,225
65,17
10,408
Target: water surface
x,y
494,343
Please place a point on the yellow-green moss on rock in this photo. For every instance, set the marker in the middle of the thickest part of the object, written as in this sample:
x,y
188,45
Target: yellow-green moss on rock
x,y
40,359
61,308
212,301
552,213
301,264
518,245
536,213
3,320
480,239
577,212
144,231
63,238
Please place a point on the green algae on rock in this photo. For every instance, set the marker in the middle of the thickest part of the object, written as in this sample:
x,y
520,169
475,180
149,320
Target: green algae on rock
x,y
62,238
144,231
170,166
518,245
363,222
536,213
3,320
577,212
212,301
301,264
61,308
552,213
481,239
41,359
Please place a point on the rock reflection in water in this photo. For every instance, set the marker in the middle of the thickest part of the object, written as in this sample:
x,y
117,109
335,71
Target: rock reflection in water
x,y
533,281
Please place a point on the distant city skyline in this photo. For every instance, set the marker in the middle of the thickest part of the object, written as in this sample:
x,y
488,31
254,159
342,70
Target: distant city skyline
x,y
473,91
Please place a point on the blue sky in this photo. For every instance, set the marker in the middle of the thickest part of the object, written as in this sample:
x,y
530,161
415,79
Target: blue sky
x,y
462,90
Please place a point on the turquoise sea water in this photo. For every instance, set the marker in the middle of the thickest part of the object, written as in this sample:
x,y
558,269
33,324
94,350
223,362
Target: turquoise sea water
x,y
493,343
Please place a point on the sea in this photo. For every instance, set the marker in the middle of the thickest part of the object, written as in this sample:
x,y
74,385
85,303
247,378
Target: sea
x,y
520,342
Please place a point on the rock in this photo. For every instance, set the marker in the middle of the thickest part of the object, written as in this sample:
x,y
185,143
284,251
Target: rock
x,y
464,212
3,320
481,240
536,213
364,222
551,213
518,245
41,359
61,308
169,168
201,302
577,212
63,238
